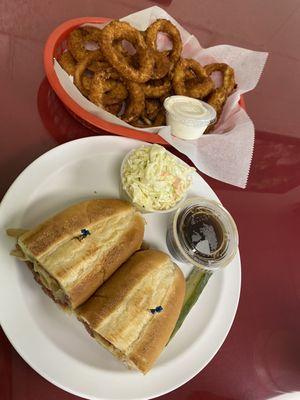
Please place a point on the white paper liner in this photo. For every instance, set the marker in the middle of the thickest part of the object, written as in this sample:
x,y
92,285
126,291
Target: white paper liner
x,y
226,153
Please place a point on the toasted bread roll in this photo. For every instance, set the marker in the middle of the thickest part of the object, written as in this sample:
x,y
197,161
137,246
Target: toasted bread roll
x,y
78,249
134,313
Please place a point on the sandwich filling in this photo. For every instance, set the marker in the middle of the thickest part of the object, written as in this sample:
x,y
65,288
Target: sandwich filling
x,y
48,283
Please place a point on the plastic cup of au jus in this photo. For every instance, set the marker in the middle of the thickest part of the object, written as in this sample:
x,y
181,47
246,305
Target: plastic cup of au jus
x,y
188,117
202,233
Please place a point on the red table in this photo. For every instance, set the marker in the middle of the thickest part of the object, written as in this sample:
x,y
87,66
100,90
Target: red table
x,y
261,355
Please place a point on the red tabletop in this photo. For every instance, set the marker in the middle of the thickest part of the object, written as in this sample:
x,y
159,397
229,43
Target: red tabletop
x,y
261,355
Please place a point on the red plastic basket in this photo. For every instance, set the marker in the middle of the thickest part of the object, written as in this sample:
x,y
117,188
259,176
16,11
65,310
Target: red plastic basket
x,y
55,45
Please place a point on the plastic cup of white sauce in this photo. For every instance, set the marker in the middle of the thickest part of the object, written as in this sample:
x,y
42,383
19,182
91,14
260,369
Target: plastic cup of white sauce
x,y
188,117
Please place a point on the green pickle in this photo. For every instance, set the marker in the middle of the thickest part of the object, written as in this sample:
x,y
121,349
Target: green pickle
x,y
195,283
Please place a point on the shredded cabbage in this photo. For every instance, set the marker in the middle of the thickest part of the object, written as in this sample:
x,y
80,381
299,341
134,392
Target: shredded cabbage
x,y
155,179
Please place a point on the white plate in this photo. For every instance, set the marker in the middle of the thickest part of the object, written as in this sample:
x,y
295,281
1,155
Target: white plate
x,y
56,345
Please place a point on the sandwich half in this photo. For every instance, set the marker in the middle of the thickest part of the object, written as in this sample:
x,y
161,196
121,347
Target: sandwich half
x,y
134,313
72,253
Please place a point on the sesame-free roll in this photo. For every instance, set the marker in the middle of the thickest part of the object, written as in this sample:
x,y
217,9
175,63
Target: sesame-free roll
x,y
72,253
134,313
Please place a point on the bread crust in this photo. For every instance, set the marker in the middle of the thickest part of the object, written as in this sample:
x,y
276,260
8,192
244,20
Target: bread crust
x,y
81,264
120,310
129,242
68,223
157,334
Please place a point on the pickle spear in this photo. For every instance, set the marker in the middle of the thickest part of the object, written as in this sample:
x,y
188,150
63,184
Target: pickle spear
x,y
195,283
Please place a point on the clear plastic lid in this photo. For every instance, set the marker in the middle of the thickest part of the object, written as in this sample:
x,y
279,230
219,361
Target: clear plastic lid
x,y
205,233
188,110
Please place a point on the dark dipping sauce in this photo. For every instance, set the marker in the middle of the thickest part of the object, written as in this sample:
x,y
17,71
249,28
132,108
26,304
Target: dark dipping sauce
x,y
202,234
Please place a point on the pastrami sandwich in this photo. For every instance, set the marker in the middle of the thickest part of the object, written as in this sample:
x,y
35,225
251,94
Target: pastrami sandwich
x,y
134,313
72,253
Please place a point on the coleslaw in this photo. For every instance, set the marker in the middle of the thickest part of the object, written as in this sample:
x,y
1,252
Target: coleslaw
x,y
154,179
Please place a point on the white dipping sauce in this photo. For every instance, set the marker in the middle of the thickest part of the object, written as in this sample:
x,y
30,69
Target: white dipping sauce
x,y
188,117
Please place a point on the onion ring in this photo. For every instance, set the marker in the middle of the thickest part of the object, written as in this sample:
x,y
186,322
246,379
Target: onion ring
x,y
135,102
79,70
105,91
157,88
78,39
118,46
165,26
83,82
159,120
132,59
217,100
228,75
162,64
67,62
106,68
152,108
96,65
99,86
199,89
108,71
116,94
86,82
218,97
116,31
93,32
